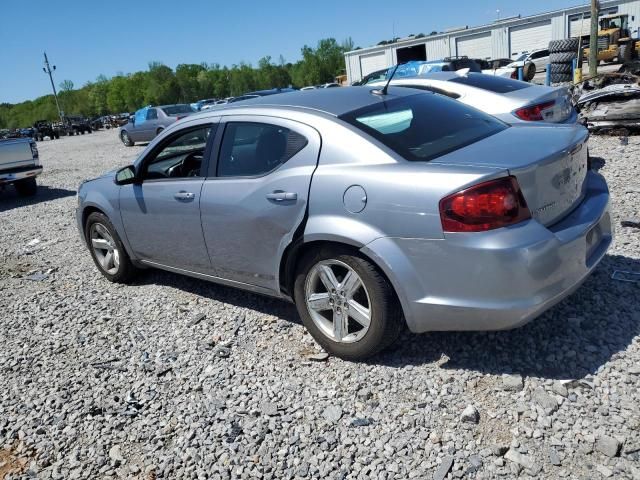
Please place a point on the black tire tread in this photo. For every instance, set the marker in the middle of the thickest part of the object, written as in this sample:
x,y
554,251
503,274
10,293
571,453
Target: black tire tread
x,y
564,45
380,290
561,77
562,57
27,187
561,68
127,270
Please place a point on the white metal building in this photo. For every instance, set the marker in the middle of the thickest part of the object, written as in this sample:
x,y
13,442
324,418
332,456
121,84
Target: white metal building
x,y
507,38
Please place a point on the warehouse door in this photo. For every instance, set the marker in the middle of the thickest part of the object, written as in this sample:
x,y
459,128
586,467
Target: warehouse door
x,y
474,46
530,37
581,24
408,54
372,62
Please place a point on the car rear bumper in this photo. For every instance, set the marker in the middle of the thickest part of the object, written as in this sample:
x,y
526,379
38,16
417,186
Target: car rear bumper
x,y
499,279
10,176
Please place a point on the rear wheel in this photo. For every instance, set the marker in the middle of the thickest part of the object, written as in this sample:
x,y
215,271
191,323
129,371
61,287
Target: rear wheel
x,y
27,187
107,250
126,139
346,304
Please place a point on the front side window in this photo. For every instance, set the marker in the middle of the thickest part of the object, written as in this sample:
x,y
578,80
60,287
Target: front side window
x,y
424,126
152,114
141,115
181,157
252,149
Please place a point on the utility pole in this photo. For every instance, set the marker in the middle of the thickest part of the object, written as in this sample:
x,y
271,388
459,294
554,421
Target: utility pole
x,y
593,40
47,69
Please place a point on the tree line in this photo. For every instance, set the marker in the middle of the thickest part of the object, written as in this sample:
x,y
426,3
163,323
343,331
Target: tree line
x,y
160,85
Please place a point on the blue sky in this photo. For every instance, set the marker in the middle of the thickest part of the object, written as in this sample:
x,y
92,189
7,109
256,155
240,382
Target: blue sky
x,y
88,38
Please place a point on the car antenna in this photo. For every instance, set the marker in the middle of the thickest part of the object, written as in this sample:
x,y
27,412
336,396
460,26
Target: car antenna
x,y
377,91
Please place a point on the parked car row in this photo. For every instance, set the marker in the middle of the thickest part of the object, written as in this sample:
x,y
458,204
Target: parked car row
x,y
371,208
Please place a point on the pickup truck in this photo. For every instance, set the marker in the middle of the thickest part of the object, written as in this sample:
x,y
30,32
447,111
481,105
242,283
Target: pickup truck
x,y
20,165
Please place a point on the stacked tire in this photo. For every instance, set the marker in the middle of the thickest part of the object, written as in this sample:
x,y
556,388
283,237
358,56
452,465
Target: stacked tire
x,y
562,53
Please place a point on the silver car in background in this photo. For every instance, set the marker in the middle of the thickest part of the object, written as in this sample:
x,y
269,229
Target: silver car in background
x,y
149,121
369,208
510,100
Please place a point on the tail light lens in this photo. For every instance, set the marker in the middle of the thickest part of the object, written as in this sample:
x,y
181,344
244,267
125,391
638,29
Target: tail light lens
x,y
486,206
534,113
514,74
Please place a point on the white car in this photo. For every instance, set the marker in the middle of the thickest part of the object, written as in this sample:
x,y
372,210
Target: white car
x,y
512,101
540,58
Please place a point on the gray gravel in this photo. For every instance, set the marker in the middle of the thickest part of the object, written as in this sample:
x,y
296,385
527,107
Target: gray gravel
x,y
176,378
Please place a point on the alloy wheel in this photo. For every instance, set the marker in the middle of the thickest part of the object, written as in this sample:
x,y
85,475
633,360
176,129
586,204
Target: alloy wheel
x,y
338,301
104,248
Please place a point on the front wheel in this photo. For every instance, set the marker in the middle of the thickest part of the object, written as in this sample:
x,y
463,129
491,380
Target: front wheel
x,y
107,250
126,139
346,304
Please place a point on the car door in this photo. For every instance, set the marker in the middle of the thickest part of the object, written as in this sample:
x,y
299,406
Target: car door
x,y
257,195
136,129
161,211
540,59
150,125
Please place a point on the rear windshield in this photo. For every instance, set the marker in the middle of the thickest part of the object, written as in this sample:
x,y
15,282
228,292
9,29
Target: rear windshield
x,y
177,109
424,126
491,83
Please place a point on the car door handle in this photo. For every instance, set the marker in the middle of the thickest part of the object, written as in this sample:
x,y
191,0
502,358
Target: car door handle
x,y
279,196
184,196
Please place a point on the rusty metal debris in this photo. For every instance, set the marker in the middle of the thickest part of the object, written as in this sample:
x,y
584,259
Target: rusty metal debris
x,y
610,103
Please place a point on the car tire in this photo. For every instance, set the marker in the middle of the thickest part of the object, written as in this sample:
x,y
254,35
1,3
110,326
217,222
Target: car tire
x,y
384,316
561,68
561,77
564,45
126,139
112,260
625,53
562,57
529,72
27,187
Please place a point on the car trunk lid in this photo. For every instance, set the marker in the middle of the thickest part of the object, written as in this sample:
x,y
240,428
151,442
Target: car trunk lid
x,y
15,153
556,101
550,164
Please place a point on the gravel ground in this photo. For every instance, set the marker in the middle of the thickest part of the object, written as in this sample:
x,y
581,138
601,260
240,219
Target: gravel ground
x,y
176,378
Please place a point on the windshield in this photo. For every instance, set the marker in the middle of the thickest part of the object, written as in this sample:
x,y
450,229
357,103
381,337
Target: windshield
x,y
522,57
490,82
177,109
424,126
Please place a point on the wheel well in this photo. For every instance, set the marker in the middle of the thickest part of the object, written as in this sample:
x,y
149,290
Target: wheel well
x,y
88,211
297,250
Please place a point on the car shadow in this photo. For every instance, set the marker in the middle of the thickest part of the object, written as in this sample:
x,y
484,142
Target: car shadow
x,y
224,294
9,198
570,341
597,163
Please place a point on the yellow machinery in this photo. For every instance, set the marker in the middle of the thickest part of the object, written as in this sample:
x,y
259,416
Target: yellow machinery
x,y
614,40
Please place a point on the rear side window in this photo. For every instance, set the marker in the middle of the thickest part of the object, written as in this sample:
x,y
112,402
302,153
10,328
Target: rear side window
x,y
424,126
177,109
252,149
491,83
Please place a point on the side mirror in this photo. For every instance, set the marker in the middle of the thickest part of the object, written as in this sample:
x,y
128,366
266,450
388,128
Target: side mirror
x,y
126,175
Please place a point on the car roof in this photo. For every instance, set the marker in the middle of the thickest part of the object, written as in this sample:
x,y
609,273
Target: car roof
x,y
332,101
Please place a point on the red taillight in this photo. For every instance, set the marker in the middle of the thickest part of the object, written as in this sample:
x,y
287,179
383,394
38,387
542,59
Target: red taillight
x,y
514,74
534,112
178,117
494,204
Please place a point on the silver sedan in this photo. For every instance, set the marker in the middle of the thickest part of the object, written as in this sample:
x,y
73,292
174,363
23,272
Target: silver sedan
x,y
510,100
368,208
